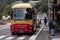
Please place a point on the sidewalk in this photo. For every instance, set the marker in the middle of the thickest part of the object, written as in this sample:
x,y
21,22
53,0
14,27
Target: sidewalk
x,y
56,37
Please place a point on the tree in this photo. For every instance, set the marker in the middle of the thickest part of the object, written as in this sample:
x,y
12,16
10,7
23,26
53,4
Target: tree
x,y
43,6
7,9
3,4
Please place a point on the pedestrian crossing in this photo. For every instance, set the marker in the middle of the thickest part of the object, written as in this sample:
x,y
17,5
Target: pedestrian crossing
x,y
11,37
21,38
5,37
2,36
46,28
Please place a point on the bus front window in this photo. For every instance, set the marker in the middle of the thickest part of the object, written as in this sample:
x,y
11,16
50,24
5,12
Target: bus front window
x,y
21,14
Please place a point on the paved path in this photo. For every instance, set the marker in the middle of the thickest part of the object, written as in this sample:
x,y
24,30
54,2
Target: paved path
x,y
40,34
56,39
44,34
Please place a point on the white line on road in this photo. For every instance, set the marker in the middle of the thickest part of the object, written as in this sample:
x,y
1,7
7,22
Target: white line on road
x,y
3,36
9,38
33,37
41,29
45,29
56,39
21,38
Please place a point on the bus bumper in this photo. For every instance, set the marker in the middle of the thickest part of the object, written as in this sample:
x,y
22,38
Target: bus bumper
x,y
21,28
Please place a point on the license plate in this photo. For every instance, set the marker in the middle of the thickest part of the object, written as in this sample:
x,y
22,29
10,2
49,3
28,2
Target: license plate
x,y
21,31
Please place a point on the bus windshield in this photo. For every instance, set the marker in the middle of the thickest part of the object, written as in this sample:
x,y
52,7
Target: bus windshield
x,y
21,14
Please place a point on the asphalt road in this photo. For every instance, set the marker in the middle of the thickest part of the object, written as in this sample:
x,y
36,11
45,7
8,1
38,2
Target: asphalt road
x,y
5,34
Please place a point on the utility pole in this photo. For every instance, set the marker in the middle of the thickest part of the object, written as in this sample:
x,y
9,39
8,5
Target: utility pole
x,y
49,10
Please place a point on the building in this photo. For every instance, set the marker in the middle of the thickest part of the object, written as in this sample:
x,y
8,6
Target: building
x,y
55,12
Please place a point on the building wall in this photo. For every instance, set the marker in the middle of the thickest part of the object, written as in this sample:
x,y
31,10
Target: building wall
x,y
58,1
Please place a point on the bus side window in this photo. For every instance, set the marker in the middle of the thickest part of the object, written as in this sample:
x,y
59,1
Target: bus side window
x,y
28,14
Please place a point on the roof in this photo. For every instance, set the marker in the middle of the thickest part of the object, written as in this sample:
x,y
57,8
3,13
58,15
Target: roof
x,y
22,5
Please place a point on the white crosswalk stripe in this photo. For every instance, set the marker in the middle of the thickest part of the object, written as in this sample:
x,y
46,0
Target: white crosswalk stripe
x,y
33,37
2,36
9,38
46,29
21,38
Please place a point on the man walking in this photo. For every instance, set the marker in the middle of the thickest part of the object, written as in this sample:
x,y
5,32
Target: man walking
x,y
45,20
51,27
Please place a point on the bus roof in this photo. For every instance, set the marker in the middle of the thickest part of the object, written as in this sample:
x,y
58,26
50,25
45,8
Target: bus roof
x,y
22,5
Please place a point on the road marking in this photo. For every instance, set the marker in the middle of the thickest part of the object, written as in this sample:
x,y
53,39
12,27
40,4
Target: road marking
x,y
3,36
40,29
56,39
9,38
33,37
45,29
21,38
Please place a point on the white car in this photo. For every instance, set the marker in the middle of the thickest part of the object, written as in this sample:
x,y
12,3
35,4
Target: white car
x,y
5,17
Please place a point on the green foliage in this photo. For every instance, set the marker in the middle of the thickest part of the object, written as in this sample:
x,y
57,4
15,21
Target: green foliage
x,y
43,6
6,9
4,3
